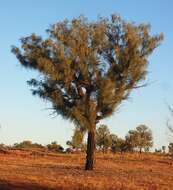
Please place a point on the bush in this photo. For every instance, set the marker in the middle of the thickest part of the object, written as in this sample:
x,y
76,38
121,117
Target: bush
x,y
27,144
55,147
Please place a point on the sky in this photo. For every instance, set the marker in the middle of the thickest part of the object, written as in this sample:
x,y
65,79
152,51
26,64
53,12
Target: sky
x,y
25,117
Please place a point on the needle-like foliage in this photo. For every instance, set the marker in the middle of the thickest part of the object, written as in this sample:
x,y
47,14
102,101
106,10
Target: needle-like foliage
x,y
88,68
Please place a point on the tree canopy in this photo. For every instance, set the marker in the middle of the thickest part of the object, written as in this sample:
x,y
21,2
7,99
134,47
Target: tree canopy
x,y
54,146
140,138
88,68
77,140
103,138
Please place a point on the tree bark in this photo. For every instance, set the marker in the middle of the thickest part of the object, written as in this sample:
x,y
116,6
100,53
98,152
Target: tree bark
x,y
91,144
140,150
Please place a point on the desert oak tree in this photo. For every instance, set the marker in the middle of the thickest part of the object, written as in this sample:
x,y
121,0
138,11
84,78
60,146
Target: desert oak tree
x,y
88,68
103,138
140,138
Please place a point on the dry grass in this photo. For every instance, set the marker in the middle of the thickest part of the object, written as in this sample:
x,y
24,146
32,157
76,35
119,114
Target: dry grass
x,y
24,170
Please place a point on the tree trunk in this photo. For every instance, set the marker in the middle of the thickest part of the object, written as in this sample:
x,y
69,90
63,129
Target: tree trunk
x,y
140,150
91,143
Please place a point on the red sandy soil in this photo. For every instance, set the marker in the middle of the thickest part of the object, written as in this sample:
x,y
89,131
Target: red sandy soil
x,y
23,170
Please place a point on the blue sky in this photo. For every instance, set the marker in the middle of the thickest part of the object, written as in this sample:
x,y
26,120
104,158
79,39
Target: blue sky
x,y
23,116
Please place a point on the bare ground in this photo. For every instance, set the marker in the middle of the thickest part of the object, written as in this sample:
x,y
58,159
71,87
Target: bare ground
x,y
23,170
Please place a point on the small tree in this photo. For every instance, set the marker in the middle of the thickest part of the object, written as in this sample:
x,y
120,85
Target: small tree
x,y
145,138
55,147
23,144
103,139
158,150
77,139
170,147
115,143
164,149
140,138
132,138
88,68
28,144
119,144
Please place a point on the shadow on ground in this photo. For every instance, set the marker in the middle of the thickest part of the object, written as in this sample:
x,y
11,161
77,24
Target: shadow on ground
x,y
23,186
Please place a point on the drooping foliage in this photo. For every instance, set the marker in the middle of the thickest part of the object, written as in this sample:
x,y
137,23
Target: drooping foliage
x,y
88,68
